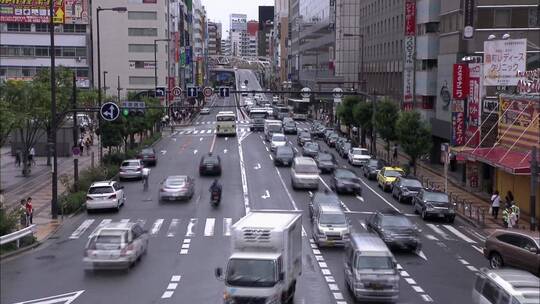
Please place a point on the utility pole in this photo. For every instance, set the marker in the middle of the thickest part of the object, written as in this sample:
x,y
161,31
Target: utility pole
x,y
534,187
75,133
54,200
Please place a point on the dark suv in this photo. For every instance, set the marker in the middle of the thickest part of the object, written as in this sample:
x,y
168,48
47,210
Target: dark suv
x,y
210,165
405,188
395,229
432,203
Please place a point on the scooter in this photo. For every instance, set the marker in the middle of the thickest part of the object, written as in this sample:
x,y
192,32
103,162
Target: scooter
x,y
214,198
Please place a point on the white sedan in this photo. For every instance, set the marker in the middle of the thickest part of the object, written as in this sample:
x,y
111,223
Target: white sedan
x,y
205,111
278,140
358,156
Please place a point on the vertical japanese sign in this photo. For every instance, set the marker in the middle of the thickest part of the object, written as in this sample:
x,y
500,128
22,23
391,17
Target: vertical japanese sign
x,y
458,123
31,11
409,54
473,105
76,11
468,19
460,79
171,84
503,59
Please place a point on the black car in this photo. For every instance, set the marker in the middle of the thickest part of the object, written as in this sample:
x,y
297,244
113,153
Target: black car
x,y
339,142
284,156
326,162
332,139
344,180
303,138
310,149
405,188
395,229
372,168
343,149
317,131
432,203
326,133
148,156
290,128
210,165
323,198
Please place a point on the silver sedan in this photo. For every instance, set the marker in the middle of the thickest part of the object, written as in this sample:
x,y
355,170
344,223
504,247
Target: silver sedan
x,y
176,188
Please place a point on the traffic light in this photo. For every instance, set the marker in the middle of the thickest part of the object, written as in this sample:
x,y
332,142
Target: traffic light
x,y
133,108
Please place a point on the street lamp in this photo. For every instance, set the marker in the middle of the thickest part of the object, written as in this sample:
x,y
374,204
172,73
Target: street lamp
x,y
363,82
155,61
119,9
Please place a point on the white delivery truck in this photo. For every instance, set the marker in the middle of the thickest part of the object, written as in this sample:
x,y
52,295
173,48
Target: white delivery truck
x,y
266,258
272,126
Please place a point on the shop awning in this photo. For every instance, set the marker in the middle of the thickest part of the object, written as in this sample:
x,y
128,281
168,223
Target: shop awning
x,y
511,161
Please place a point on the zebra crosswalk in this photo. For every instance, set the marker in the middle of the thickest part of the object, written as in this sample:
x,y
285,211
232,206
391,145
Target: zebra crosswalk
x,y
449,233
247,122
160,227
207,131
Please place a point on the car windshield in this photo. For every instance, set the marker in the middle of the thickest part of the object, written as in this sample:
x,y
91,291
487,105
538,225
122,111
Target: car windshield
x,y
344,174
435,197
284,151
108,241
395,221
304,168
210,160
251,273
100,190
278,137
332,219
130,164
392,173
357,151
411,183
374,262
333,135
175,182
373,163
325,157
312,146
147,151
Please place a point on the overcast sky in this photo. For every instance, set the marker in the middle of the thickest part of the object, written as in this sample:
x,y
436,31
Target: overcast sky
x,y
219,10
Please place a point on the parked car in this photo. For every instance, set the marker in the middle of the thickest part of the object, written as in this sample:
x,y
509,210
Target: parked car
x,y
290,128
339,142
177,187
326,162
332,139
343,149
284,156
131,168
148,156
358,156
116,246
303,137
405,188
387,175
514,248
432,203
346,181
210,165
372,168
395,229
310,149
497,286
105,195
278,140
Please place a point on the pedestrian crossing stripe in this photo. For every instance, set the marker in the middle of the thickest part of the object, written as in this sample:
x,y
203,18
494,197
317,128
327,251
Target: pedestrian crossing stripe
x,y
208,131
453,233
298,123
175,226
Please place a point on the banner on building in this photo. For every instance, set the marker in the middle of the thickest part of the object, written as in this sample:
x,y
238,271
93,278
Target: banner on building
x,y
171,83
476,92
458,122
529,82
31,11
408,72
503,59
468,19
460,79
76,12
519,121
410,17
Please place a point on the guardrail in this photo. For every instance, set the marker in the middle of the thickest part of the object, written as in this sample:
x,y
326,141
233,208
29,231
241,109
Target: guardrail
x,y
17,235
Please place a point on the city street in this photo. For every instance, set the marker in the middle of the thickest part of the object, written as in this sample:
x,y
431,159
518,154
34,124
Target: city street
x,y
190,239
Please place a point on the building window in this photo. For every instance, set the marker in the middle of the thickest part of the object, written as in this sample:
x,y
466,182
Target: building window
x,y
502,18
42,27
68,52
19,27
141,48
82,72
141,80
69,28
135,31
142,15
42,51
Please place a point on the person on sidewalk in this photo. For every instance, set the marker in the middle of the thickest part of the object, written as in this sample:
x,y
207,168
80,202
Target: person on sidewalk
x,y
87,146
29,211
31,156
515,210
509,198
2,199
507,215
395,153
495,204
18,158
81,145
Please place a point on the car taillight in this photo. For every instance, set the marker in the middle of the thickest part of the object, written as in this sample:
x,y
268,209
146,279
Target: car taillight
x,y
88,197
112,196
126,250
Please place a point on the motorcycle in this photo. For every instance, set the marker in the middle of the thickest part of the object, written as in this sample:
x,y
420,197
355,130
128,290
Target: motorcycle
x,y
214,198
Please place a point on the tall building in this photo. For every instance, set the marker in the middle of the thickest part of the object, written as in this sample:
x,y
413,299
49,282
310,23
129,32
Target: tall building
x,y
266,25
280,41
199,42
25,42
252,32
226,47
214,38
238,37
349,43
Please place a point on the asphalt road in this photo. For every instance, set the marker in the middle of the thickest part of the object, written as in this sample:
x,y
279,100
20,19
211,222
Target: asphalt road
x,y
190,239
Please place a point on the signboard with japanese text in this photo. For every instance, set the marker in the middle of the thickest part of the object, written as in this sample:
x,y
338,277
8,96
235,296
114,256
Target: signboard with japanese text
x,y
502,61
408,72
31,11
476,92
468,19
410,17
171,84
458,128
76,11
519,121
460,88
529,82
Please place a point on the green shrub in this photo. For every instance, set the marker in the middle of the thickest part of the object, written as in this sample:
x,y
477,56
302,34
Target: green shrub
x,y
23,242
90,175
8,221
72,202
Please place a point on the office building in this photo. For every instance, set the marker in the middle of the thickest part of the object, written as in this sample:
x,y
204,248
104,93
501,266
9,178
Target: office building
x,y
239,41
214,38
252,33
280,42
266,25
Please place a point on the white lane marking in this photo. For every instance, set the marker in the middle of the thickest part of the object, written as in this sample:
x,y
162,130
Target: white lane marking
x,y
176,278
398,266
172,286
316,251
439,231
195,151
410,281
287,190
338,295
272,158
226,138
227,222
296,150
266,195
472,268
463,262
360,198
192,223
330,279
324,183
267,150
478,235
427,298
124,221
201,139
333,287
103,223
459,234
380,196
478,249
172,227
431,237
257,167
167,294
174,138
344,206
196,132
163,152
225,151
421,254
319,258
209,226
404,273
185,245
363,224
243,176
417,288
326,272
66,298
323,265
156,226
81,229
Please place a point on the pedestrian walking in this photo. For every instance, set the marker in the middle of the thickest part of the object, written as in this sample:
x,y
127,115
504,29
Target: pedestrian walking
x,y
22,214
515,210
31,156
507,212
81,145
2,199
509,198
29,211
87,146
495,204
395,154
18,158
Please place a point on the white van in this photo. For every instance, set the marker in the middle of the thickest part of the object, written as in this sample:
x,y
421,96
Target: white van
x,y
270,127
304,173
506,286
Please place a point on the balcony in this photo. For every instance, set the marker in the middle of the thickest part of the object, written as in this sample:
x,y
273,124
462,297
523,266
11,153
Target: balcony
x,y
426,83
427,46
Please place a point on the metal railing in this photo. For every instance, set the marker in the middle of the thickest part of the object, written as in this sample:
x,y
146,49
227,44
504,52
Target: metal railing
x,y
17,235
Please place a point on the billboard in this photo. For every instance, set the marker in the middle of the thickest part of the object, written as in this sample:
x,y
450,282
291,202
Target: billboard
x,y
460,81
458,123
503,59
468,19
410,17
238,22
76,11
519,123
476,92
30,11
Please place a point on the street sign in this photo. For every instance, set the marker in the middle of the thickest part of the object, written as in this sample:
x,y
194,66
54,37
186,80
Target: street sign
x,y
192,91
337,92
208,91
76,151
160,91
305,92
224,91
177,91
109,111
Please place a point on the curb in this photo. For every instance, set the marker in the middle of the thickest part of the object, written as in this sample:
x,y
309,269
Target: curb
x,y
32,246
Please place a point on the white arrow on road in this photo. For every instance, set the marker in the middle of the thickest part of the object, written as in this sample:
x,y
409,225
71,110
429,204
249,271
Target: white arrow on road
x,y
65,298
195,152
163,152
267,195
257,167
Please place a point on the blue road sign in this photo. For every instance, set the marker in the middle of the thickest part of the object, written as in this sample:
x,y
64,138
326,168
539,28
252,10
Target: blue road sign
x,y
192,91
224,92
160,91
109,111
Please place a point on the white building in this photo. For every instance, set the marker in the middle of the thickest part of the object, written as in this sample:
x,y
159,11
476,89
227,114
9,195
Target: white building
x,y
239,40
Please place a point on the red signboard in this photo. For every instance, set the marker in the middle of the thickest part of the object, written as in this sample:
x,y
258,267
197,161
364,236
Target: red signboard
x,y
460,81
410,17
171,83
458,128
473,104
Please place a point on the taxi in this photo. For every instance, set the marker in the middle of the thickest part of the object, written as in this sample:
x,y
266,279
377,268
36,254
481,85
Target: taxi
x,y
387,176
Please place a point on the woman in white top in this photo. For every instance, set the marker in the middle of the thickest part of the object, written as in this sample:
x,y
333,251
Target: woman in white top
x,y
495,204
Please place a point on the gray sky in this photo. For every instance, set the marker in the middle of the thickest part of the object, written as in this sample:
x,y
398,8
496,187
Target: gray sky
x,y
219,10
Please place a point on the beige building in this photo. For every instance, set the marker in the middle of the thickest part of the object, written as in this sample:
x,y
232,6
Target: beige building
x,y
280,39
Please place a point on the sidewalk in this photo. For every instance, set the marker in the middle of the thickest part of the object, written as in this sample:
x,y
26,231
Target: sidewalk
x,y
38,185
473,207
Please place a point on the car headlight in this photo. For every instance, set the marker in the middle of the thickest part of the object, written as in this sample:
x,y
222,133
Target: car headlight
x,y
405,191
429,206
